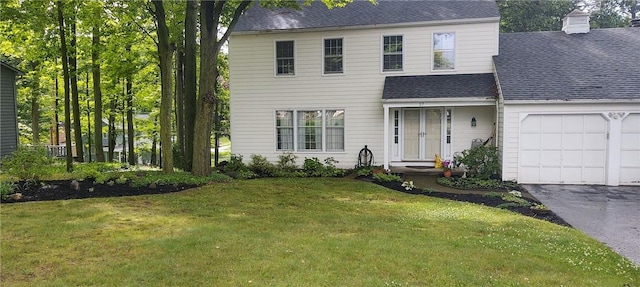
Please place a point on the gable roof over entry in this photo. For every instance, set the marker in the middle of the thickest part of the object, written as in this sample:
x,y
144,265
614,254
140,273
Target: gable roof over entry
x,y
364,13
600,65
440,86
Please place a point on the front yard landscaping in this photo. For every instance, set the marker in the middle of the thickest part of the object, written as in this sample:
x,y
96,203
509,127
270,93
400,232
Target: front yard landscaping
x,y
294,232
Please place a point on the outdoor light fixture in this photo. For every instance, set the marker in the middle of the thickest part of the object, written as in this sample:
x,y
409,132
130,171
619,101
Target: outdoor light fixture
x,y
473,121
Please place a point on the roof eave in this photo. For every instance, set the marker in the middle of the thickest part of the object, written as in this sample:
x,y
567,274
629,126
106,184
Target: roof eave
x,y
20,73
375,26
571,101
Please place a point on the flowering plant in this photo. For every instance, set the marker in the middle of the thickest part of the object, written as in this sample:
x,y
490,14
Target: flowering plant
x,y
408,185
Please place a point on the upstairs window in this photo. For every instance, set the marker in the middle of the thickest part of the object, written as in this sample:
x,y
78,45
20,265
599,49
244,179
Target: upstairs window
x,y
392,54
444,51
285,62
333,56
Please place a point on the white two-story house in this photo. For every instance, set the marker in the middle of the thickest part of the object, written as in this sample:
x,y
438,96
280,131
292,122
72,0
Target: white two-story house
x,y
408,79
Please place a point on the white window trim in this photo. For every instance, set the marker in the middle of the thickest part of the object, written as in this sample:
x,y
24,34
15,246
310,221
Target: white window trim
x,y
295,131
455,52
401,71
275,59
344,57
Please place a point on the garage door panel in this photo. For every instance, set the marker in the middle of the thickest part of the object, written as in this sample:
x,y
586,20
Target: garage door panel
x,y
572,141
630,175
530,141
631,124
595,141
595,174
594,123
530,158
630,141
550,174
572,158
630,158
573,124
550,158
531,125
551,141
594,158
530,174
552,124
572,175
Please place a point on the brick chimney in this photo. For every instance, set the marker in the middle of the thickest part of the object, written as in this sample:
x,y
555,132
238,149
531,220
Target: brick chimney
x,y
576,22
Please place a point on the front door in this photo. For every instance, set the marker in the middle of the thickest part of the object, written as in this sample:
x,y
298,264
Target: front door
x,y
422,134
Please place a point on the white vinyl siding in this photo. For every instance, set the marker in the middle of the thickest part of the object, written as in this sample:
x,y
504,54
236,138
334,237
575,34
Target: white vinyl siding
x,y
256,94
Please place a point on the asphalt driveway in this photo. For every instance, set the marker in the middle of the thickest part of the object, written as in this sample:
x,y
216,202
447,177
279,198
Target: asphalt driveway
x,y
610,214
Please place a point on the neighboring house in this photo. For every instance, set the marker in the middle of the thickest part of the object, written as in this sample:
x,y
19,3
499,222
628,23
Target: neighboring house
x,y
8,109
415,79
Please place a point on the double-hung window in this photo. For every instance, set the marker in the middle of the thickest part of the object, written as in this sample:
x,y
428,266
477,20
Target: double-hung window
x,y
310,130
392,54
285,61
333,56
444,45
284,130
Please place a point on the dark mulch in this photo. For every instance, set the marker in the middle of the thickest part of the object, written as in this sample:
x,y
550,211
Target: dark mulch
x,y
480,199
65,189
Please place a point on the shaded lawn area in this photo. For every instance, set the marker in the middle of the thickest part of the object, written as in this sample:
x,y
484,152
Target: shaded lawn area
x,y
294,232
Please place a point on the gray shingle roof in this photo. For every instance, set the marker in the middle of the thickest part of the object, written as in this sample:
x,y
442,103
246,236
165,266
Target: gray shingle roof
x,y
602,64
363,13
440,86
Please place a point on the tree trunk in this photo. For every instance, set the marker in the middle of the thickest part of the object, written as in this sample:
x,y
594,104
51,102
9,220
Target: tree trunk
x,y
35,106
65,71
210,13
130,129
164,54
56,117
97,91
189,81
73,66
112,129
180,104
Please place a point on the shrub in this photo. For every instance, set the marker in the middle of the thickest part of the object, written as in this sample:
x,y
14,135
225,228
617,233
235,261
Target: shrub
x,y
313,167
235,164
364,171
6,188
481,161
477,183
261,166
287,162
386,177
28,163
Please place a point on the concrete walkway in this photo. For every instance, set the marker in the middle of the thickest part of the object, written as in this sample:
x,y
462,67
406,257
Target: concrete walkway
x,y
609,214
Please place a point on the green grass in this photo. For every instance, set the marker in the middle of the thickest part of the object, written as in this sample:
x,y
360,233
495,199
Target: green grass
x,y
294,232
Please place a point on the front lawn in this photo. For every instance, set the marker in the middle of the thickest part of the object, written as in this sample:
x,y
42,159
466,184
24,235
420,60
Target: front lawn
x,y
294,232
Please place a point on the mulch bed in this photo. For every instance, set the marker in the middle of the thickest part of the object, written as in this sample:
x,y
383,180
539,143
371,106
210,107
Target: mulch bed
x,y
67,189
480,199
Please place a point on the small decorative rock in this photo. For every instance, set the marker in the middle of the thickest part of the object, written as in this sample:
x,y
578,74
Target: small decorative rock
x,y
16,196
152,185
75,185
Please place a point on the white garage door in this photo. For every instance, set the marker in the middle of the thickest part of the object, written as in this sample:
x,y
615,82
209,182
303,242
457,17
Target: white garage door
x,y
630,150
568,149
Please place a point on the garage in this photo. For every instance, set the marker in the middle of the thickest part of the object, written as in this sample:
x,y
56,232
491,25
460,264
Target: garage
x,y
564,149
630,150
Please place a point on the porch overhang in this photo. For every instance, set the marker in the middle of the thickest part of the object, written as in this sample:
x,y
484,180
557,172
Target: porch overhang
x,y
435,91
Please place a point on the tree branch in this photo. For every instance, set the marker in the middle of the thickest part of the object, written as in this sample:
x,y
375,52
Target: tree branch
x,y
234,21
